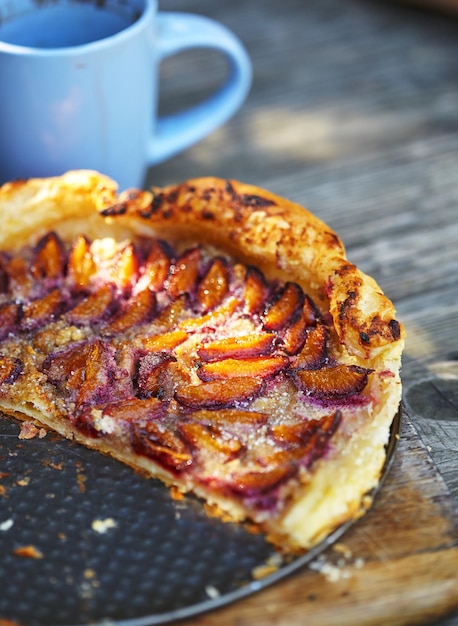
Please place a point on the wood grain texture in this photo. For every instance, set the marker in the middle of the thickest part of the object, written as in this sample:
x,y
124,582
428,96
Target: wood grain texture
x,y
353,113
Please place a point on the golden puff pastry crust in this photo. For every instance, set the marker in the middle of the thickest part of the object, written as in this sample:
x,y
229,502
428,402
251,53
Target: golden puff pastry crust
x,y
223,343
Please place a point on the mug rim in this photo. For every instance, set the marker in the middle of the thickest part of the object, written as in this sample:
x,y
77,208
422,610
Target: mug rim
x,y
150,7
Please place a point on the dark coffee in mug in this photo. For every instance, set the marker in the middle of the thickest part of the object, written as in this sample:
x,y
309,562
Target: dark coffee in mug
x,y
63,25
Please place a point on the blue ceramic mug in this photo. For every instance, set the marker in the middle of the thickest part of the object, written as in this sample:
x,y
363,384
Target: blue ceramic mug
x,y
79,86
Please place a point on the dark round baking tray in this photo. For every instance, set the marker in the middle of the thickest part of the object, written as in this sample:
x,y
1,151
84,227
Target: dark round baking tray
x,y
157,560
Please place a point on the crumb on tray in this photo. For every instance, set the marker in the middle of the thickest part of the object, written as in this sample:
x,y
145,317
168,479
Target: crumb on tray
x,y
101,526
28,552
6,525
30,431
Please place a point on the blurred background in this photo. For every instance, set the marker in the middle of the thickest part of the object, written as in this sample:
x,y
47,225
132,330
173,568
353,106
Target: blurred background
x,y
334,81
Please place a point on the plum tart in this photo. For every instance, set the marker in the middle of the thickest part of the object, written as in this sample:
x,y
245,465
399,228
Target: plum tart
x,y
209,334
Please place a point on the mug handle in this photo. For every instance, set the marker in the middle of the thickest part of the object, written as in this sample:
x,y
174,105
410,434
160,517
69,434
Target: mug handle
x,y
181,31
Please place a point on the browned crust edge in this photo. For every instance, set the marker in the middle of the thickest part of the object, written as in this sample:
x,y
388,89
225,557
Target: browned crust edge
x,y
282,238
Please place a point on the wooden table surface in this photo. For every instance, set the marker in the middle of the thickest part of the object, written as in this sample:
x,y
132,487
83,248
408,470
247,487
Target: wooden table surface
x,y
353,112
